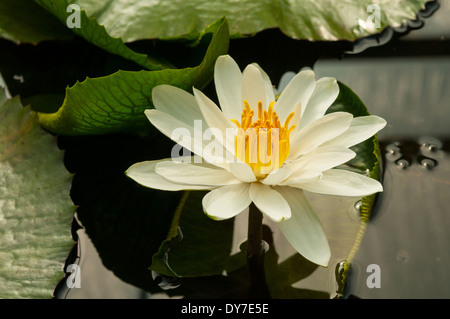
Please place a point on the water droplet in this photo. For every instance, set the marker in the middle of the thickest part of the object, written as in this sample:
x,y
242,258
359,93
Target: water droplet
x,y
392,148
393,151
427,163
358,206
429,144
431,147
402,163
354,211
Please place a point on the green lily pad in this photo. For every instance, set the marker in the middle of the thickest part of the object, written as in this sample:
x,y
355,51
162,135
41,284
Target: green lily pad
x,y
309,19
35,208
116,103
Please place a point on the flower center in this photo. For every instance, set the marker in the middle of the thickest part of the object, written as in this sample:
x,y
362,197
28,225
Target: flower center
x,y
263,144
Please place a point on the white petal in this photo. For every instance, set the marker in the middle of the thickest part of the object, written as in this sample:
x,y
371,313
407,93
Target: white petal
x,y
361,128
174,128
226,201
296,118
343,183
301,178
269,202
270,93
298,90
321,159
144,174
216,120
319,132
278,176
228,81
253,87
211,112
304,230
195,174
242,171
189,137
178,103
324,94
309,167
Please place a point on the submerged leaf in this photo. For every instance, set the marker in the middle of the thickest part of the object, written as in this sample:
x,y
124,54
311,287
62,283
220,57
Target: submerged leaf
x,y
35,208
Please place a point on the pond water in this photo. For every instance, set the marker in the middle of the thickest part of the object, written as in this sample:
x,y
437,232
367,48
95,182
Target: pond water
x,y
408,234
407,237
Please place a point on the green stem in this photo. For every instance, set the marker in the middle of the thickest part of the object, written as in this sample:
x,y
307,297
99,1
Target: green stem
x,y
255,254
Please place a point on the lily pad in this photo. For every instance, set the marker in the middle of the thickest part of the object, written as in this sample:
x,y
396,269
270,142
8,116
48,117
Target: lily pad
x,y
116,103
35,208
325,20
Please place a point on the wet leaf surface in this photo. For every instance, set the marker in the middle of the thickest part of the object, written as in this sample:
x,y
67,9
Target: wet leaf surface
x,y
35,208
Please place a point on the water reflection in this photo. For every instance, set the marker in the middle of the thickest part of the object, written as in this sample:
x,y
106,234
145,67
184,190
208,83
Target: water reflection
x,y
96,281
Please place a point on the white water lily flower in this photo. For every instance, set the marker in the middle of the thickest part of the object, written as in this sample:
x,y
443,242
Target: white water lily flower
x,y
303,147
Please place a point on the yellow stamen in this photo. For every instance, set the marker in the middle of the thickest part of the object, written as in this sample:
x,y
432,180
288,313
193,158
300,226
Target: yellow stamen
x,y
263,144
236,122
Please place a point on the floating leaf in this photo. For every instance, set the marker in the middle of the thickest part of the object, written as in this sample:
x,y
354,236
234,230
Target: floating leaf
x,y
35,208
116,103
309,19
